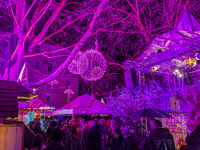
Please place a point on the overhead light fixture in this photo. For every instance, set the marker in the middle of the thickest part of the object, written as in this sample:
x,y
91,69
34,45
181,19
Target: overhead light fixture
x,y
180,75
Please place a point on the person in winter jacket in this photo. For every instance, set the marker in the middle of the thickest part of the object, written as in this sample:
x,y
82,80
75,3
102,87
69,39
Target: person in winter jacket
x,y
76,137
37,130
193,140
37,143
32,125
56,144
49,130
117,142
85,131
94,137
158,136
113,126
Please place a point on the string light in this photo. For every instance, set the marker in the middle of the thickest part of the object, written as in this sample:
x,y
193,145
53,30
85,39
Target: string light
x,y
30,116
91,65
73,65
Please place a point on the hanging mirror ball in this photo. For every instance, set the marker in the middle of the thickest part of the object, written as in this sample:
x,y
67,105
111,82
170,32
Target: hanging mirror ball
x,y
92,65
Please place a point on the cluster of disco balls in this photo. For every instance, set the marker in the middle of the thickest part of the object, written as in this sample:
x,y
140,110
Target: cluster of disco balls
x,y
91,65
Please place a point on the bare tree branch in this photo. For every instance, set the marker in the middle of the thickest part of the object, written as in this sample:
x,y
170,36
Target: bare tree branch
x,y
76,48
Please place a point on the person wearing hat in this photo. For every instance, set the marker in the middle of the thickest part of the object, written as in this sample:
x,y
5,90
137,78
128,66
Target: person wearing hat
x,y
85,131
74,140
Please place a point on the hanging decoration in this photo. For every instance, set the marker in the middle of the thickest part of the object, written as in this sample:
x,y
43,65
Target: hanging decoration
x,y
189,63
155,68
73,65
197,56
92,99
92,65
69,92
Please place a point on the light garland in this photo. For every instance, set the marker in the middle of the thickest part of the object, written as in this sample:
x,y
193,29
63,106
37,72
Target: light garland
x,y
30,116
91,65
73,65
177,127
130,100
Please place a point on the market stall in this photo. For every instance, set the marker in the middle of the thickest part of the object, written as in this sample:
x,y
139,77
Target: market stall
x,y
34,111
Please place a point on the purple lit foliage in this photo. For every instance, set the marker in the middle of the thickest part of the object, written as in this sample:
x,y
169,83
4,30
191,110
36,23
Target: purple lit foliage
x,y
131,100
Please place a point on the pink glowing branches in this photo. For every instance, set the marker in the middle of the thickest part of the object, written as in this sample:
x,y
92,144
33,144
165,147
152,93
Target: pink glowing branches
x,y
73,68
92,65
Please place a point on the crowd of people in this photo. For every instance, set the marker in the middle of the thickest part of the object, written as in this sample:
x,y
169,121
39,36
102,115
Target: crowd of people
x,y
98,134
77,134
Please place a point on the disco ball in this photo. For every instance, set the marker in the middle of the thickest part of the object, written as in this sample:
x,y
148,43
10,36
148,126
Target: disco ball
x,y
73,65
91,65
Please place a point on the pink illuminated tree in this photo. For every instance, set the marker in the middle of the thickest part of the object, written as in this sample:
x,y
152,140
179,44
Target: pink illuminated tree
x,y
123,28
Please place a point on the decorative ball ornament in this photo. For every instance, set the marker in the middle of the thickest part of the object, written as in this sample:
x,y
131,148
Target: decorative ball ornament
x,y
73,65
189,63
197,56
91,65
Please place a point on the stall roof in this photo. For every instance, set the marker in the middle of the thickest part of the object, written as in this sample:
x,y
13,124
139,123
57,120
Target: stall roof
x,y
80,106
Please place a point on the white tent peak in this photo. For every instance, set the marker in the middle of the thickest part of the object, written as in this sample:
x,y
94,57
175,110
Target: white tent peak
x,y
80,106
188,23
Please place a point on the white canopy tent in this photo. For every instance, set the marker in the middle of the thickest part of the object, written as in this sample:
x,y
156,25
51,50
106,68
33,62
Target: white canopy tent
x,y
80,106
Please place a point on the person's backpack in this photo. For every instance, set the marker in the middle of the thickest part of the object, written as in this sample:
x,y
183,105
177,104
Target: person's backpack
x,y
164,145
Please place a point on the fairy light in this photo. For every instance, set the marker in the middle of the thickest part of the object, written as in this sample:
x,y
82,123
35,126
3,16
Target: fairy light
x,y
91,65
30,116
73,65
177,126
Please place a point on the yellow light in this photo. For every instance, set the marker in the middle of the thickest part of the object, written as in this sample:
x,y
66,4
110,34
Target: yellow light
x,y
189,62
19,97
180,75
155,68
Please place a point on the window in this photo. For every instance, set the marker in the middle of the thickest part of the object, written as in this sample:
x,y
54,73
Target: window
x,y
67,71
37,49
37,65
48,85
48,98
67,83
50,66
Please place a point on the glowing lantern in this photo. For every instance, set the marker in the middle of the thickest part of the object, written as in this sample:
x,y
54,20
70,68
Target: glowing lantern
x,y
73,65
189,63
92,65
155,68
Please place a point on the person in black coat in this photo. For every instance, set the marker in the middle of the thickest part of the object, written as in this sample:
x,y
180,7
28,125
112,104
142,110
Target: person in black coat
x,y
85,132
193,140
37,130
159,135
117,142
75,138
94,137
49,130
56,135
